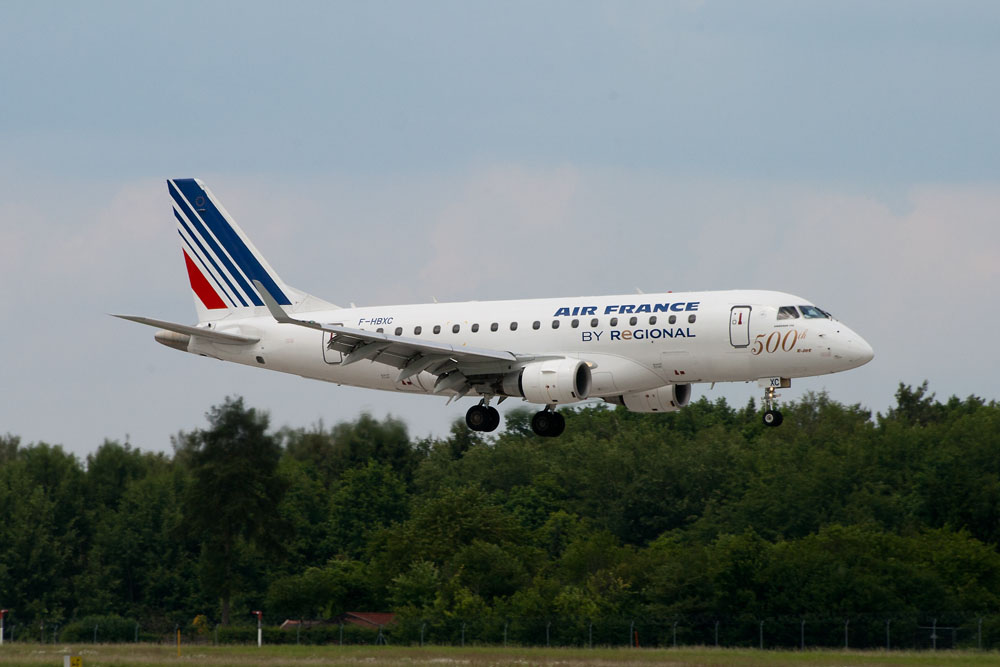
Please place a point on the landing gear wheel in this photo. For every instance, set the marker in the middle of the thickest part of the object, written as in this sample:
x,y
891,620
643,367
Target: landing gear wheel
x,y
477,417
772,418
494,420
482,418
548,424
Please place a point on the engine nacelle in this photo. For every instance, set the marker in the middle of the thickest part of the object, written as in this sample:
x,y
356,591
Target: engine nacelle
x,y
670,398
548,382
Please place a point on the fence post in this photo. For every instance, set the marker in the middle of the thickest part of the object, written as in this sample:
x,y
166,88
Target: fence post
x,y
631,626
55,634
505,623
847,622
136,633
423,626
934,634
341,633
802,635
590,634
548,624
216,641
979,634
463,634
762,635
716,634
298,630
675,634
888,622
95,633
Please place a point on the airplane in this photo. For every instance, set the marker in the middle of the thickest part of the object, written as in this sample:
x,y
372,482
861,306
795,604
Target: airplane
x,y
640,351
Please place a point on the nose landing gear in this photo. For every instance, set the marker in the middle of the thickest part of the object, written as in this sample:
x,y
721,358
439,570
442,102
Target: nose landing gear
x,y
548,423
772,416
482,417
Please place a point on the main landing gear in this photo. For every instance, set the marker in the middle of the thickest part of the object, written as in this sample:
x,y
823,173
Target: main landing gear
x,y
482,417
772,416
548,423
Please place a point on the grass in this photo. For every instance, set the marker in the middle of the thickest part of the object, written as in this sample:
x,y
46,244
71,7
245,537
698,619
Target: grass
x,y
153,655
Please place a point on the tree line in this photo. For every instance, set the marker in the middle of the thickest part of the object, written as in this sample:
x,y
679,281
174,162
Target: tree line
x,y
703,513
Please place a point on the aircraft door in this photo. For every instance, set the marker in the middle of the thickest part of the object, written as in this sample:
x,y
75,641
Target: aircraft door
x,y
739,326
330,356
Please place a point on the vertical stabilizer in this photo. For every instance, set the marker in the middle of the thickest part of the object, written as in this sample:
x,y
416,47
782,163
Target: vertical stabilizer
x,y
221,261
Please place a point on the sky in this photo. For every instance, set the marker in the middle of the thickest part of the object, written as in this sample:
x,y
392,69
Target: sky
x,y
394,152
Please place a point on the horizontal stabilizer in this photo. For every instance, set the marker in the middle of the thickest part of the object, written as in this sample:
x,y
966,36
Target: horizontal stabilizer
x,y
198,332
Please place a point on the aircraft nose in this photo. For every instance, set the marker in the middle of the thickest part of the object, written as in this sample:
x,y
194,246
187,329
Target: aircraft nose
x,y
858,351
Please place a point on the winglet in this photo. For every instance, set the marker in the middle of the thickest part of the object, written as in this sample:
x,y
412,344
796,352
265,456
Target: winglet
x,y
277,312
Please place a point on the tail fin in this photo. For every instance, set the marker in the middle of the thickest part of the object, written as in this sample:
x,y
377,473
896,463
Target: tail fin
x,y
221,261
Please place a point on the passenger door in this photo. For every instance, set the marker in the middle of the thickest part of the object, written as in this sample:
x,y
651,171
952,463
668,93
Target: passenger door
x,y
739,326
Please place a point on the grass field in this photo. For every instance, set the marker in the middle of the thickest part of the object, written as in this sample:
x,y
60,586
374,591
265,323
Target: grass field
x,y
444,656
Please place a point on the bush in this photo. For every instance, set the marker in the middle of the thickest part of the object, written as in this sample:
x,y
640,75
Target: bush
x,y
111,628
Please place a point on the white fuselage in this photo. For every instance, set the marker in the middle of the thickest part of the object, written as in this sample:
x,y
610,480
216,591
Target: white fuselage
x,y
631,342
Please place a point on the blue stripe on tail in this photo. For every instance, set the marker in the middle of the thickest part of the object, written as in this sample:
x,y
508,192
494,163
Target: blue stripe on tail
x,y
228,237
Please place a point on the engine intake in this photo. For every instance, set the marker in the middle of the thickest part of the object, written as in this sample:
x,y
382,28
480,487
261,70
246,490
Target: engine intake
x,y
670,398
548,382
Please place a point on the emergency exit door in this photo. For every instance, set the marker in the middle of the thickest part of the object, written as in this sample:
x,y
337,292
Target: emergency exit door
x,y
739,326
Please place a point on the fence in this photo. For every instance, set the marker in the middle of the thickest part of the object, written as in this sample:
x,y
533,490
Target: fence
x,y
854,631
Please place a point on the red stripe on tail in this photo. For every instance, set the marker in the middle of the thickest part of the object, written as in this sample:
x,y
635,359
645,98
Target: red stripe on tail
x,y
200,285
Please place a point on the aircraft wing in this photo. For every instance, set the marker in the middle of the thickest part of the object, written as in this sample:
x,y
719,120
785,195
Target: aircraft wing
x,y
410,355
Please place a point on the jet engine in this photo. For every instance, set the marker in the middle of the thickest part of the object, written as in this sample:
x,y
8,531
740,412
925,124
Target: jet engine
x,y
548,382
669,398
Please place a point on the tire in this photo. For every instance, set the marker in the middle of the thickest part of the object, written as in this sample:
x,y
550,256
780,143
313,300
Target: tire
x,y
772,418
477,417
494,419
548,424
559,425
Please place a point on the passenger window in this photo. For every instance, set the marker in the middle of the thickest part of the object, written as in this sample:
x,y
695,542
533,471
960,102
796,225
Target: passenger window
x,y
380,330
555,324
652,319
575,323
455,329
672,319
633,320
513,326
614,321
593,322
417,330
399,331
692,317
475,327
437,328
787,313
494,326
536,324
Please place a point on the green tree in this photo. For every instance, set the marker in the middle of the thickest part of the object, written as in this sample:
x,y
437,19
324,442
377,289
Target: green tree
x,y
232,501
366,499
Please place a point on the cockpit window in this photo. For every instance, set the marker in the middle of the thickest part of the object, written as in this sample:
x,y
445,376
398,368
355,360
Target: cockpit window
x,y
814,313
788,313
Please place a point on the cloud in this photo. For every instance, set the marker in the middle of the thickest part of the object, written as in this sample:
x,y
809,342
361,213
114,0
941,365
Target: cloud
x,y
504,223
